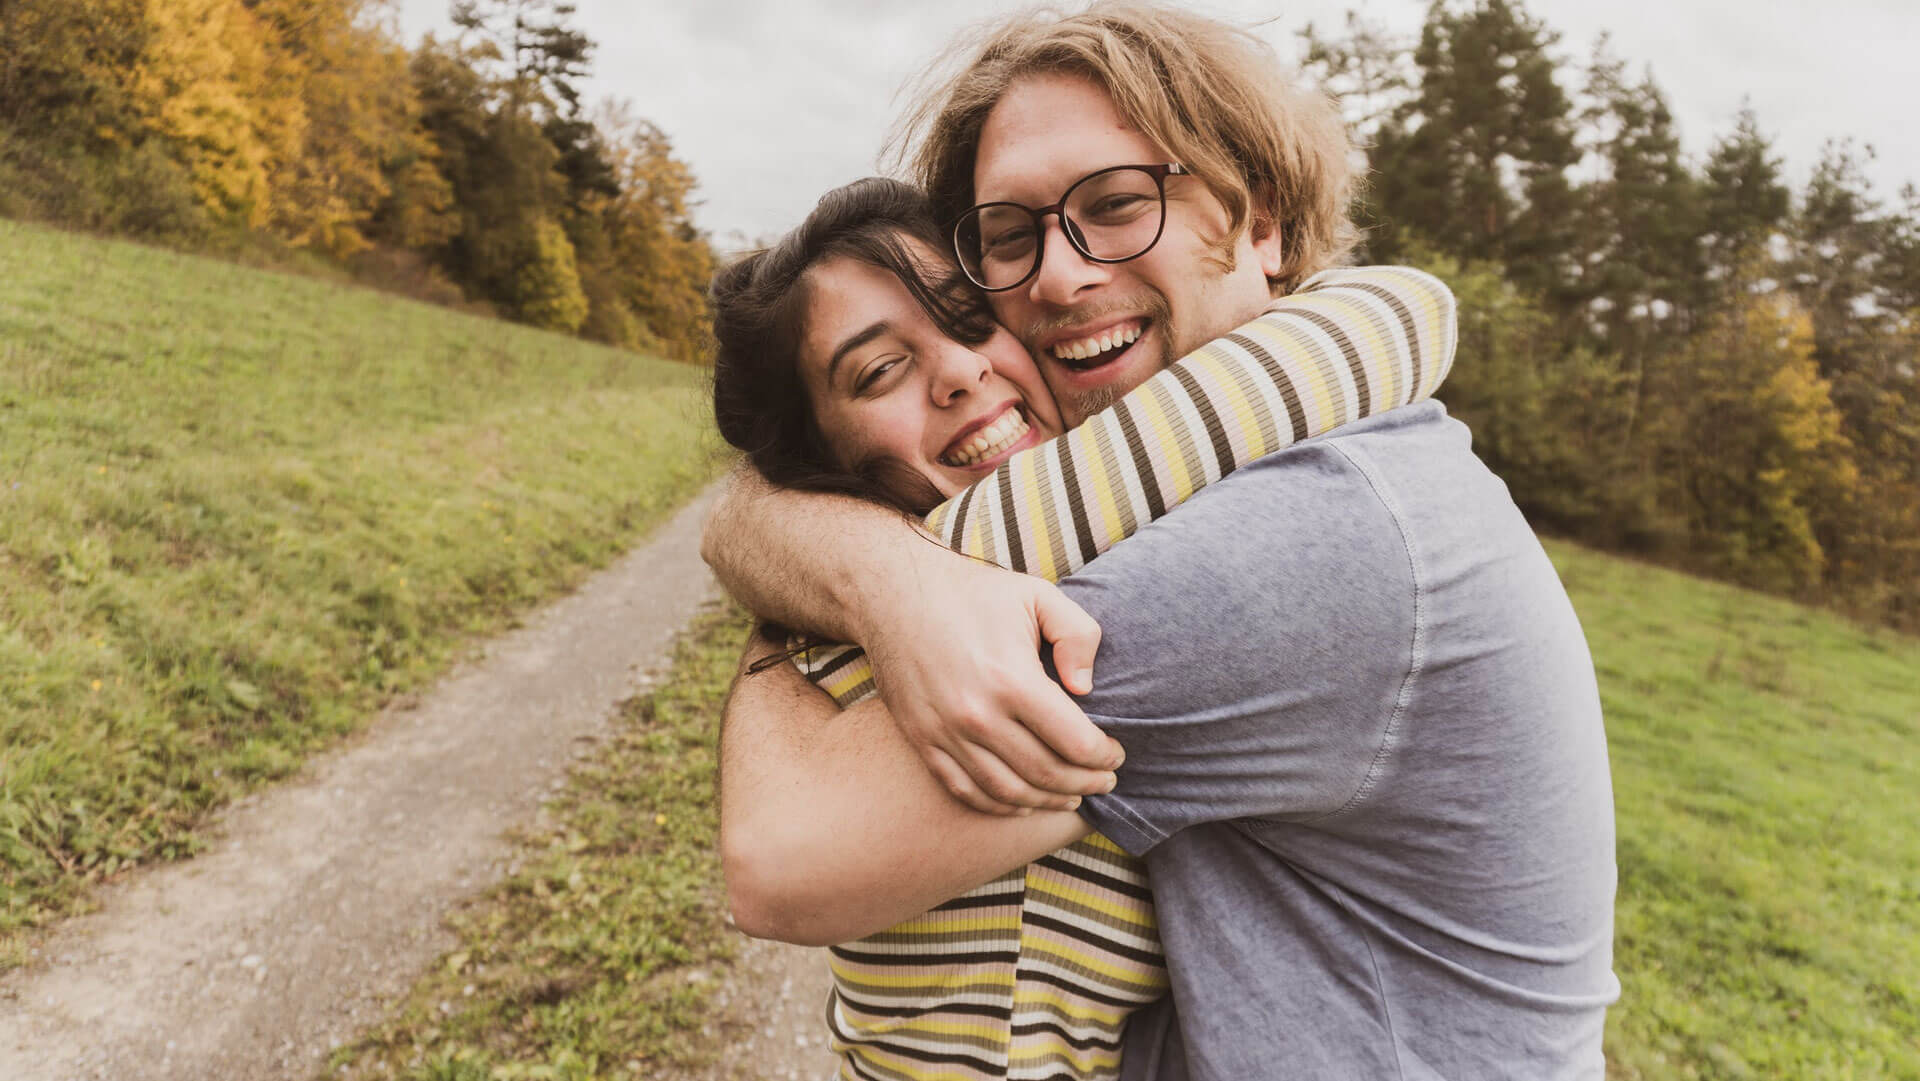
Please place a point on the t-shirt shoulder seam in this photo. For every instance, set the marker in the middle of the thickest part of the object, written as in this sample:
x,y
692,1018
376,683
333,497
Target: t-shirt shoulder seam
x,y
1417,639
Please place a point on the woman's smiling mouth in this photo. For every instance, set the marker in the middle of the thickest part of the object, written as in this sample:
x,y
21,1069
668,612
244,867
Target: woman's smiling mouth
x,y
994,439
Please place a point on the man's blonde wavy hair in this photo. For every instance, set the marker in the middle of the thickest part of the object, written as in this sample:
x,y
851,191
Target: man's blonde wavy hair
x,y
1213,96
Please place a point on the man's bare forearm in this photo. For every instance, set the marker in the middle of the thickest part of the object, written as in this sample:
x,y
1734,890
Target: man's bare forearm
x,y
807,560
829,827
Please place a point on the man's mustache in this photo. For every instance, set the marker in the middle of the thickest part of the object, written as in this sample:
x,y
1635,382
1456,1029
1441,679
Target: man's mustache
x,y
1150,305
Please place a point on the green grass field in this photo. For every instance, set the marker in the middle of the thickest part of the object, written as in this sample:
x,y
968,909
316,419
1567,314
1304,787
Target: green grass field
x,y
238,510
1766,760
1765,757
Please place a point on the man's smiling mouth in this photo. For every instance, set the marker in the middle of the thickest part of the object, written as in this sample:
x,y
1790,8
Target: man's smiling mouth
x,y
1096,350
995,438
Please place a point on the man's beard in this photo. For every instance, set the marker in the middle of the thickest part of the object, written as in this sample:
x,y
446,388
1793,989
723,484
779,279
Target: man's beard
x,y
1077,405
1087,403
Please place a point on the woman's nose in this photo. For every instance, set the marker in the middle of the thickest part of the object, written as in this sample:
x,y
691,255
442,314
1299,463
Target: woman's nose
x,y
958,371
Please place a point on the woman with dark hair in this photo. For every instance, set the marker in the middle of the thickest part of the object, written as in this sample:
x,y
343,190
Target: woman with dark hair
x,y
854,357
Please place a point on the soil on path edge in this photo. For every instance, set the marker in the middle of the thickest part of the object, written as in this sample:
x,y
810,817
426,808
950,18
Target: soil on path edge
x,y
322,897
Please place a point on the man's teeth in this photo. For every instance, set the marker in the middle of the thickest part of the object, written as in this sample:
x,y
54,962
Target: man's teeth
x,y
1096,345
991,440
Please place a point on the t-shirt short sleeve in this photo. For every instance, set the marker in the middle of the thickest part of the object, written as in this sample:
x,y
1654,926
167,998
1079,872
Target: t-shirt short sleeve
x,y
1258,645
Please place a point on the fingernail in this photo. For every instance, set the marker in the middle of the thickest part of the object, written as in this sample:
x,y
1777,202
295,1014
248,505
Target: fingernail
x,y
1083,678
1112,780
1073,804
1024,812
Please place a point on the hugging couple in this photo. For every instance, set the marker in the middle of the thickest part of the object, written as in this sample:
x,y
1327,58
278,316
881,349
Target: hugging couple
x,y
1308,704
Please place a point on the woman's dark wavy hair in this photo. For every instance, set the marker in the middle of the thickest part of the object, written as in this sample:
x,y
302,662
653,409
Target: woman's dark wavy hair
x,y
759,319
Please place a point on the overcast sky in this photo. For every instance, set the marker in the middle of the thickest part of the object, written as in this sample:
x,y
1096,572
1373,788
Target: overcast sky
x,y
771,102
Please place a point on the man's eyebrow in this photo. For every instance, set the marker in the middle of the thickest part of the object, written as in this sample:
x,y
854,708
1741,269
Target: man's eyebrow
x,y
873,331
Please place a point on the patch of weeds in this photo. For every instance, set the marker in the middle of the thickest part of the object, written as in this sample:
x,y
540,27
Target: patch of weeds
x,y
593,959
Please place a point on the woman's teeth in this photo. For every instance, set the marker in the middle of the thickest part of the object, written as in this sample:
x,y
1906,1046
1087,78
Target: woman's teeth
x,y
1097,344
991,440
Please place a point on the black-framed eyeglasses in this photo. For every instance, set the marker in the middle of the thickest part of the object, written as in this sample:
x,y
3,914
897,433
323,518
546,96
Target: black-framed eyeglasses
x,y
1110,216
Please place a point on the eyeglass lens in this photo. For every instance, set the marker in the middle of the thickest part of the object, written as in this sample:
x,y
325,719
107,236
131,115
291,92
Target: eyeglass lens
x,y
1110,216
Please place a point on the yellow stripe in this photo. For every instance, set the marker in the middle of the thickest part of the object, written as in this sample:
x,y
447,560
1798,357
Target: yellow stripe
x,y
1048,565
1153,410
970,976
1074,1006
846,679
1126,908
1354,317
1122,972
938,923
919,1071
1091,1058
1224,393
1102,842
933,1029
1103,484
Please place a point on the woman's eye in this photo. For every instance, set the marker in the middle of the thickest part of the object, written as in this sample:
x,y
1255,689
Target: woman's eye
x,y
872,377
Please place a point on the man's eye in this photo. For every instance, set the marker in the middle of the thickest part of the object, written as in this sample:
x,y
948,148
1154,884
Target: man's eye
x,y
1009,242
1113,208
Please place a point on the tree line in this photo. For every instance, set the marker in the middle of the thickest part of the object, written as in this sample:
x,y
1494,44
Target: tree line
x,y
466,170
1689,359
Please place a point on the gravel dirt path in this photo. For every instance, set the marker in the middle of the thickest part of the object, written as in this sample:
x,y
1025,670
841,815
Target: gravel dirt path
x,y
322,897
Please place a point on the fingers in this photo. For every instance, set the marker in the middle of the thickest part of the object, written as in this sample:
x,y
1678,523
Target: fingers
x,y
1058,722
1034,768
1000,782
961,784
1075,637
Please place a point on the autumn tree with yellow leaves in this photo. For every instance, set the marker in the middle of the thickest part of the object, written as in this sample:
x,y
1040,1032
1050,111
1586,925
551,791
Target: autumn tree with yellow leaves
x,y
466,169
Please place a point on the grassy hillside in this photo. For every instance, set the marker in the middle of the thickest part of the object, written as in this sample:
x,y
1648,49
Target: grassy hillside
x,y
240,509
1764,758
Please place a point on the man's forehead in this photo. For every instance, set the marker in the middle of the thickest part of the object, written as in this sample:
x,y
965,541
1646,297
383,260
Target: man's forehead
x,y
1047,131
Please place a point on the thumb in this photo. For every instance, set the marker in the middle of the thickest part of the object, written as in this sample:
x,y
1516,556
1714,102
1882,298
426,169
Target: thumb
x,y
1074,635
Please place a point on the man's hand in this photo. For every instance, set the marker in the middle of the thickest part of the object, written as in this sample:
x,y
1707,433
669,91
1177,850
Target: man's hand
x,y
956,654
955,644
829,828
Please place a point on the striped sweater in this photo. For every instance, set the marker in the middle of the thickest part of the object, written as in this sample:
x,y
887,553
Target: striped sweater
x,y
1031,976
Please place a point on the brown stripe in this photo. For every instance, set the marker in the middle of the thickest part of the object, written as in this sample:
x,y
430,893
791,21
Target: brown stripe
x,y
1010,529
1142,462
1076,506
959,538
1407,324
1111,468
1364,389
1182,436
1282,382
1216,432
826,671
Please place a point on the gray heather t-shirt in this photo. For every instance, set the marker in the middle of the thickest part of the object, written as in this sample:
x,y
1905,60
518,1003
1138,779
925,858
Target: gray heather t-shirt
x,y
1366,767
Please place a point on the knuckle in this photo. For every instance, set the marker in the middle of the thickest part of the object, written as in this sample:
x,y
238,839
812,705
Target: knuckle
x,y
1047,775
1001,789
973,724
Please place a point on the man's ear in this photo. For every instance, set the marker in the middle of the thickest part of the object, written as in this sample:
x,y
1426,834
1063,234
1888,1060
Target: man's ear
x,y
1266,246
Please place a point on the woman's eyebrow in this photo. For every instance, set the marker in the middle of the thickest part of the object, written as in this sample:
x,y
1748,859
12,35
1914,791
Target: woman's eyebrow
x,y
856,341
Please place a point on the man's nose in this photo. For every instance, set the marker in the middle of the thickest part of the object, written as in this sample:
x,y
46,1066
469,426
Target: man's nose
x,y
1064,272
957,370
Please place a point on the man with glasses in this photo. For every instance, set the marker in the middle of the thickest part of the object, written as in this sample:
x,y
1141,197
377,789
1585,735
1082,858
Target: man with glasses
x,y
1364,758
